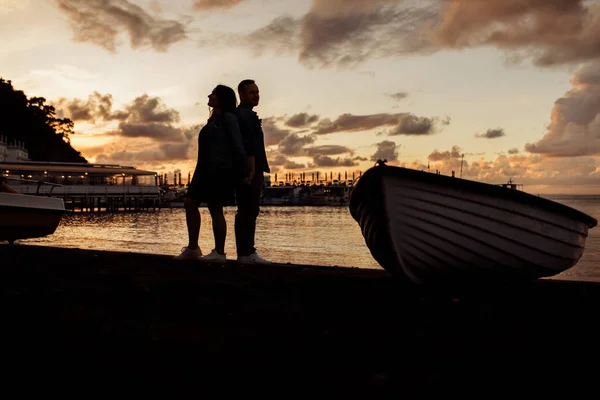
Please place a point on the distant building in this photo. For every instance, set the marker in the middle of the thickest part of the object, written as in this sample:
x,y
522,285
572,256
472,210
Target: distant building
x,y
12,150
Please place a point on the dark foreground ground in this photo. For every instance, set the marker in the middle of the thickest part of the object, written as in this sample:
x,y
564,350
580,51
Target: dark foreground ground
x,y
103,320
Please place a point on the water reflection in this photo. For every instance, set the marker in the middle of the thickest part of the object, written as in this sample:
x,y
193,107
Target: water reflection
x,y
300,235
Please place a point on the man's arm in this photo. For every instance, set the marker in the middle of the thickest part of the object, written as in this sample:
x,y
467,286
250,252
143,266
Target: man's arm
x,y
248,127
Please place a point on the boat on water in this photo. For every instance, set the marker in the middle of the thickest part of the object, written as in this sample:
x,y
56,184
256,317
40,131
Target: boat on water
x,y
24,216
434,229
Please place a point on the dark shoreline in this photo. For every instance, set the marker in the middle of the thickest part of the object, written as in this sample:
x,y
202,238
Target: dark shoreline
x,y
151,318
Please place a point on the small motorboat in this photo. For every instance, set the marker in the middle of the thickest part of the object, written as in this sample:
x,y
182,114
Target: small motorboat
x,y
24,216
436,229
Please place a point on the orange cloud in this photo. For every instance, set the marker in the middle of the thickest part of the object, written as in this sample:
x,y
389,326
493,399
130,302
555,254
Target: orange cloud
x,y
575,120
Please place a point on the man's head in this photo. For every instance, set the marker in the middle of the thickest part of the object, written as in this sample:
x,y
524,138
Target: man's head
x,y
248,92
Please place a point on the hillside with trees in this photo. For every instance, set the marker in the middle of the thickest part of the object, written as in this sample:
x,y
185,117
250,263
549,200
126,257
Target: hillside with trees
x,y
33,122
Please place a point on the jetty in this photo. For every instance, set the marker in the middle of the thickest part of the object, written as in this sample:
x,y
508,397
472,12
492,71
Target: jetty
x,y
109,319
87,187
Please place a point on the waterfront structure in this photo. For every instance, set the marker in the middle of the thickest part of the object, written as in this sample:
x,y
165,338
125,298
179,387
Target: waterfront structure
x,y
12,150
87,187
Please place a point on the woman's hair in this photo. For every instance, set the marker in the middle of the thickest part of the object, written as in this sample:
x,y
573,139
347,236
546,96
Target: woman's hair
x,y
227,99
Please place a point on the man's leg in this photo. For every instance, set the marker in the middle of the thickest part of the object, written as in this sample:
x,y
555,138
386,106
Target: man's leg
x,y
241,219
256,187
248,202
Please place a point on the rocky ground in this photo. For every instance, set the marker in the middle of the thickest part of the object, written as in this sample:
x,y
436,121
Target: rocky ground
x,y
107,317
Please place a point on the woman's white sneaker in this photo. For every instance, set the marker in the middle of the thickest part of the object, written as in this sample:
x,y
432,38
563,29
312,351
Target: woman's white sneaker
x,y
189,254
213,256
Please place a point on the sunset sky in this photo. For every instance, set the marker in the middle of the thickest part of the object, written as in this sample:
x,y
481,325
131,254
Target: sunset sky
x,y
514,85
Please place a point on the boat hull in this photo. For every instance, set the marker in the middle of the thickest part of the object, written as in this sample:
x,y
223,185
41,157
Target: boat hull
x,y
429,228
26,217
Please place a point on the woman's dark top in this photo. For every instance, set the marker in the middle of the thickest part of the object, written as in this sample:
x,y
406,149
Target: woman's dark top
x,y
222,162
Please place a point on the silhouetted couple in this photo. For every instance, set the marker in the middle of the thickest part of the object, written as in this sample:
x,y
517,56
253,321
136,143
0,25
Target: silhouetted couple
x,y
230,167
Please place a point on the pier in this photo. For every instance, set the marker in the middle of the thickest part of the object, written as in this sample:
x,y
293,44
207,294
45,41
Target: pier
x,y
86,187
105,319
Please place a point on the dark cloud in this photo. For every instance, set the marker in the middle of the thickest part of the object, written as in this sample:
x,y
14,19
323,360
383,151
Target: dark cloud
x,y
101,22
550,31
386,150
513,150
409,124
301,120
575,119
401,123
206,5
293,144
351,123
146,109
280,36
293,165
492,134
340,32
151,130
326,161
166,152
279,160
398,96
329,150
97,107
436,155
276,159
344,33
169,145
273,134
144,117
347,32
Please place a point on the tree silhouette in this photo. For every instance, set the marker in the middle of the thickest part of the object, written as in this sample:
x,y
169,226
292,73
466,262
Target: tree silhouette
x,y
34,123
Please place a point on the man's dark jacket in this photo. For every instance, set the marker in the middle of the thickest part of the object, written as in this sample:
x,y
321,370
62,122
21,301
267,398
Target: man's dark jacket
x,y
253,137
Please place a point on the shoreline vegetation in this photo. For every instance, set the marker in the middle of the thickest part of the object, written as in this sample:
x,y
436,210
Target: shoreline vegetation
x,y
148,318
33,121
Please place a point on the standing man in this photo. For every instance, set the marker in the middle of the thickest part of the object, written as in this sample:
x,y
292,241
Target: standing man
x,y
248,193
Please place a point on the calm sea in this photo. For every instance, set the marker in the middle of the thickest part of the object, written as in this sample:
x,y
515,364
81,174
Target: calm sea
x,y
300,235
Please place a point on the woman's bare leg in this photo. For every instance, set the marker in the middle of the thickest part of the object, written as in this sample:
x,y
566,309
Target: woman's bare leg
x,y
192,218
219,227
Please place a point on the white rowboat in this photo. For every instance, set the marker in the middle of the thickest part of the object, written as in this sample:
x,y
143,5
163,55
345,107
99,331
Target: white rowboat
x,y
435,229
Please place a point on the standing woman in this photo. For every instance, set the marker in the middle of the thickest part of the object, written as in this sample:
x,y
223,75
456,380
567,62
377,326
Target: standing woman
x,y
221,164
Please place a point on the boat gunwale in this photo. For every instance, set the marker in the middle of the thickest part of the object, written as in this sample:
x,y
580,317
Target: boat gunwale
x,y
57,204
487,189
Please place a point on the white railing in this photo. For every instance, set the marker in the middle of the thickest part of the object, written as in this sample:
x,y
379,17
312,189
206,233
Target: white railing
x,y
91,190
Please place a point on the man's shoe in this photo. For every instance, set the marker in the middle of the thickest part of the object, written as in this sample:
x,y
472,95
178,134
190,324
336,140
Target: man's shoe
x,y
213,256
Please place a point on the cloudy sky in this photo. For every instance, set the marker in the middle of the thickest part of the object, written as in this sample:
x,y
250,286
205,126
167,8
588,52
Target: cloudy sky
x,y
511,85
